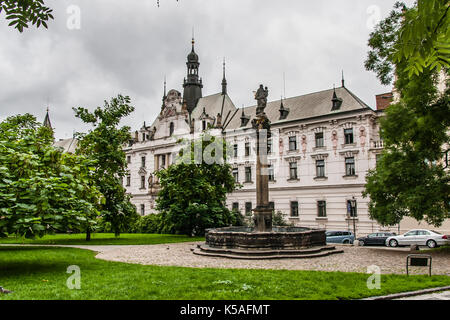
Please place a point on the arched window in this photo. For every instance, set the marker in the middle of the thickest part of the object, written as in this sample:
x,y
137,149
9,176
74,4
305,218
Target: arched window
x,y
171,128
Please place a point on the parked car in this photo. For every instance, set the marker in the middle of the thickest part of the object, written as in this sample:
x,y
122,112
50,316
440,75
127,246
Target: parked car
x,y
420,237
345,237
375,239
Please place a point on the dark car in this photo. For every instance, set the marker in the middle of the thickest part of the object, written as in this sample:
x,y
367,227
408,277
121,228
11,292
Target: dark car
x,y
375,239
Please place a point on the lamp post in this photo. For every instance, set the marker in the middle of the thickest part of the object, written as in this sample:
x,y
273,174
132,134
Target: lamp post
x,y
353,214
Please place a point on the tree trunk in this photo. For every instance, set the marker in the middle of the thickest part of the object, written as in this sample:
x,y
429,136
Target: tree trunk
x,y
88,234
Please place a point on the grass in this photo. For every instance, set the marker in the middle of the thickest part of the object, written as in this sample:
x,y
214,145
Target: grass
x,y
41,273
103,239
443,249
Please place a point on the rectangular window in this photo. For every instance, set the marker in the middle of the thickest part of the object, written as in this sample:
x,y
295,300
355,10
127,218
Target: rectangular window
x,y
350,166
142,182
292,143
203,125
348,133
236,175
319,140
128,181
235,206
320,168
163,161
235,150
272,205
321,209
294,208
143,162
269,146
128,159
271,173
247,149
293,171
248,174
248,208
352,208
142,209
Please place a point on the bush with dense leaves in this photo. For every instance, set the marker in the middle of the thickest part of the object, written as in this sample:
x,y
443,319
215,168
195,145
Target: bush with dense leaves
x,y
42,189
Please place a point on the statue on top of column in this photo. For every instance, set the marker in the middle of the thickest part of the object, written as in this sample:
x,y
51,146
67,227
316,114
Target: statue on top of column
x,y
261,96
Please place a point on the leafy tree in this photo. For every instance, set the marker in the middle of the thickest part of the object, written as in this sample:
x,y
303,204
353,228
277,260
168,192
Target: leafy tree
x,y
23,12
42,189
193,191
278,219
410,178
424,38
417,37
103,145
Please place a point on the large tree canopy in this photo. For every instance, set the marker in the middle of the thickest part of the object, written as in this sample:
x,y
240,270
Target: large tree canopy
x,y
104,145
42,189
193,191
410,178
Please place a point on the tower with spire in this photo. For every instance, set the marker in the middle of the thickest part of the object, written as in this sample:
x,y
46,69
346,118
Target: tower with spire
x,y
165,94
224,80
193,83
47,122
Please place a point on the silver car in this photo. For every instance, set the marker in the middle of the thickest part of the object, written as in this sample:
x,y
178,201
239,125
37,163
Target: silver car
x,y
420,237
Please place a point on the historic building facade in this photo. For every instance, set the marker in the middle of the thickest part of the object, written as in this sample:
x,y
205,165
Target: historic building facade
x,y
321,148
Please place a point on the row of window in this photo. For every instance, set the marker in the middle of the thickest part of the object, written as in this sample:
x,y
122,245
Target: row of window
x,y
294,205
293,146
143,161
293,170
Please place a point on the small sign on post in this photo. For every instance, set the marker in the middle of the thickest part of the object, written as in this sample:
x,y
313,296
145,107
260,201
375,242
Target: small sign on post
x,y
418,260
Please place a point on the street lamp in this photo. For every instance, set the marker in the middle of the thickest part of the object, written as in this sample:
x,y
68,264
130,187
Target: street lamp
x,y
351,209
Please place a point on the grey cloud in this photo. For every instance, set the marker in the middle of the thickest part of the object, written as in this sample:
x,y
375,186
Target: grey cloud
x,y
128,46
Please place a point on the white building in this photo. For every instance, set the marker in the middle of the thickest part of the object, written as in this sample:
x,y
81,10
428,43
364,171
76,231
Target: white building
x,y
322,146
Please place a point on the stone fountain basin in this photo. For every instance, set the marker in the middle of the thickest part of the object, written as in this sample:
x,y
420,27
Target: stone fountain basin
x,y
280,238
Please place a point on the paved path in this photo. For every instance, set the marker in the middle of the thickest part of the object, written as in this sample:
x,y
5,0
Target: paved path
x,y
433,296
354,259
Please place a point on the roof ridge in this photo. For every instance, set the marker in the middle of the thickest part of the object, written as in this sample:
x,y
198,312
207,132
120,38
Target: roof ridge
x,y
357,99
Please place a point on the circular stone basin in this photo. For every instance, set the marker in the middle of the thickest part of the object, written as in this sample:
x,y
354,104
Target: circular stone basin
x,y
280,238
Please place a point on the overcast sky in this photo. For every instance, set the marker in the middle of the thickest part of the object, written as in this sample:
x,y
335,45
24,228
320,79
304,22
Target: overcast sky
x,y
128,47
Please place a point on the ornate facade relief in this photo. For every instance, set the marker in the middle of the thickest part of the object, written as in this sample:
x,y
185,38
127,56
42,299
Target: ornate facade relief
x,y
334,140
304,144
362,137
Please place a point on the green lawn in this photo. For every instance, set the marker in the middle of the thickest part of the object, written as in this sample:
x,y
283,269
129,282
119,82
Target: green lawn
x,y
40,273
103,239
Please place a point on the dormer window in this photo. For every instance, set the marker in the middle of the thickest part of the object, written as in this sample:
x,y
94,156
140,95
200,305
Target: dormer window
x,y
244,119
284,112
336,102
203,125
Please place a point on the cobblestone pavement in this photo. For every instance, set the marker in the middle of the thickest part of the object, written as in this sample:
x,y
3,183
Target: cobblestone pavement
x,y
433,296
354,259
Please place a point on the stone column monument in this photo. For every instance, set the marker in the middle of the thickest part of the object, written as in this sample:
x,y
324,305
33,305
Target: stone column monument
x,y
262,212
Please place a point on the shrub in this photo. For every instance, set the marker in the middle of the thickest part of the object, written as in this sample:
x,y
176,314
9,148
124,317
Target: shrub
x,y
147,224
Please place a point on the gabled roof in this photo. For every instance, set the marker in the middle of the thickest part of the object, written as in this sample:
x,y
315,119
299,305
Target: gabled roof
x,y
68,145
306,106
214,104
